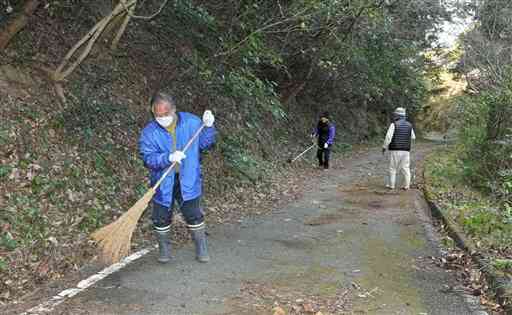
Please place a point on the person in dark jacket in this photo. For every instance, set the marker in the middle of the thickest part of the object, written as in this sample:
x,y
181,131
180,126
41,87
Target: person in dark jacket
x,y
325,132
160,144
398,141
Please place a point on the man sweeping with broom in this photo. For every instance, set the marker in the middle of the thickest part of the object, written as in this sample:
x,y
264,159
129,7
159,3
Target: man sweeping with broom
x,y
160,145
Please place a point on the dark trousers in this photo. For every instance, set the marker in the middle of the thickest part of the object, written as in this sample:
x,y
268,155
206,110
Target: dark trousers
x,y
323,156
191,210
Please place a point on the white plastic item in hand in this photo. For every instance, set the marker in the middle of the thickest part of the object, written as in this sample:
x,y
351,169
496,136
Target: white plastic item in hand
x,y
208,118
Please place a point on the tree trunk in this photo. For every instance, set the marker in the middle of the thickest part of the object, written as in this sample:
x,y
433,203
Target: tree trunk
x,y
122,28
65,69
18,23
112,28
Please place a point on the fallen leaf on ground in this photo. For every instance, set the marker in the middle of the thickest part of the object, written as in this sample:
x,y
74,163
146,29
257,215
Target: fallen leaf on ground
x,y
278,311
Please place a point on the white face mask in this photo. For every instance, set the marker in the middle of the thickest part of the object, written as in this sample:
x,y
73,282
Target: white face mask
x,y
165,121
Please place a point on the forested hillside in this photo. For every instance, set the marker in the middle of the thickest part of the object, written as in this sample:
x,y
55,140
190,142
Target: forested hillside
x,y
70,118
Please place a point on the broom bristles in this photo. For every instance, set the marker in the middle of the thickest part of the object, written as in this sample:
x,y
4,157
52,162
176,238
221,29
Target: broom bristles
x,y
115,238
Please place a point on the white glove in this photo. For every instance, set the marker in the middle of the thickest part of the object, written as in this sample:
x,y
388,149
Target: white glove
x,y
326,145
208,118
177,156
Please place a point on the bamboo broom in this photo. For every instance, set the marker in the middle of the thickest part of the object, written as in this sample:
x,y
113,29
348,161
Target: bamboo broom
x,y
115,238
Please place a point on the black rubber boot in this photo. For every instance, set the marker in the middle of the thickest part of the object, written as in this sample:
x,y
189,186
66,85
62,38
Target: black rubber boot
x,y
164,247
199,237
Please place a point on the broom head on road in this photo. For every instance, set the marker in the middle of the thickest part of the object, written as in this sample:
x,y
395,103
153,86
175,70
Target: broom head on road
x,y
115,238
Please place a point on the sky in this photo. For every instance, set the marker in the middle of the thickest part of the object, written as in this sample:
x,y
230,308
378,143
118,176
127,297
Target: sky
x,y
451,30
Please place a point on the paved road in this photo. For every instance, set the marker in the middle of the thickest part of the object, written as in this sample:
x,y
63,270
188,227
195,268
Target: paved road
x,y
347,247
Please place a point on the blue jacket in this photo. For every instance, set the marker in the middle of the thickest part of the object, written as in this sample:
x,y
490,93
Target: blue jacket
x,y
155,145
330,137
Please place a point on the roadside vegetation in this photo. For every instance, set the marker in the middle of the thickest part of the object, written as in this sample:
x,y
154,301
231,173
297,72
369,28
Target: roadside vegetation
x,y
472,178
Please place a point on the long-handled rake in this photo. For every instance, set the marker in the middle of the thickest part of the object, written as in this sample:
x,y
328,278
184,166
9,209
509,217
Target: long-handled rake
x,y
301,154
115,238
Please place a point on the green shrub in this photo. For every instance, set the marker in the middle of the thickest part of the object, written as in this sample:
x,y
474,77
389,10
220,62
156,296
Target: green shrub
x,y
502,264
238,158
8,242
485,134
490,225
256,96
3,265
4,170
94,218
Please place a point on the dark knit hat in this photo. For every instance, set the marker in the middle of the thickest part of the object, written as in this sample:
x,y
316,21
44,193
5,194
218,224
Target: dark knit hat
x,y
325,115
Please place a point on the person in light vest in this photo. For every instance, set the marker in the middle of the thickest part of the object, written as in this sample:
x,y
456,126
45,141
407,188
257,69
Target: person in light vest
x,y
161,143
325,132
398,141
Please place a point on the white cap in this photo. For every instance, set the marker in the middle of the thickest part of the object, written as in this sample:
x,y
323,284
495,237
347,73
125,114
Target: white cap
x,y
400,111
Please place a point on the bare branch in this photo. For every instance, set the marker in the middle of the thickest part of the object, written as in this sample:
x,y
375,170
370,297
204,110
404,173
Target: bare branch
x,y
149,17
268,26
122,29
91,37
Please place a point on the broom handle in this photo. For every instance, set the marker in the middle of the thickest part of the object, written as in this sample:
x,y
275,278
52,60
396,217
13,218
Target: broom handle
x,y
298,156
194,137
